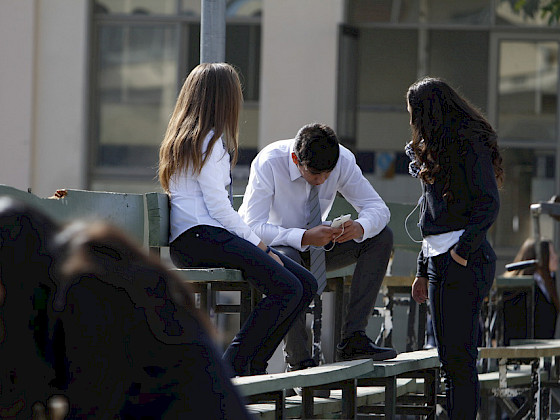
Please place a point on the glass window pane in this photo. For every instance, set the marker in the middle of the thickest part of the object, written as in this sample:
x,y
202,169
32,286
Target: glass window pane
x,y
363,11
531,16
447,63
244,8
384,75
529,179
138,7
243,50
137,87
528,90
471,12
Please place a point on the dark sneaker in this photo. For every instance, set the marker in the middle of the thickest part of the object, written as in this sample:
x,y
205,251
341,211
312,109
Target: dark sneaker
x,y
360,346
322,393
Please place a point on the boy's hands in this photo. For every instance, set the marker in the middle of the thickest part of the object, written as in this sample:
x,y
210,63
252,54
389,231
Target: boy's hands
x,y
352,230
321,235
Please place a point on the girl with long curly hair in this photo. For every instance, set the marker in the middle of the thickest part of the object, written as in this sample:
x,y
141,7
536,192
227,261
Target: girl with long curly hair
x,y
455,154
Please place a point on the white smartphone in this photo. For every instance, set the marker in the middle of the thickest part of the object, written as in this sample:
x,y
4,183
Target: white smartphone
x,y
340,220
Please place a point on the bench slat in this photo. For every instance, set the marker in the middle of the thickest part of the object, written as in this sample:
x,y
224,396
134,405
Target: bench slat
x,y
208,274
527,351
405,363
320,375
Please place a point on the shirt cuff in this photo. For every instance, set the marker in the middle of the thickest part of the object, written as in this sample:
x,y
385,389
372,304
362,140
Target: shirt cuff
x,y
366,225
294,239
254,239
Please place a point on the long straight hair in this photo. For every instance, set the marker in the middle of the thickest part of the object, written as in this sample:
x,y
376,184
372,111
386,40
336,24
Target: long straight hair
x,y
443,123
210,99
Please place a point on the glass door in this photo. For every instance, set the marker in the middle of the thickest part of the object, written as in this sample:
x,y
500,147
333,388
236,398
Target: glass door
x,y
525,110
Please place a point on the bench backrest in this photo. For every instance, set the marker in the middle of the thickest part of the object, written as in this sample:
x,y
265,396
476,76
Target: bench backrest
x,y
125,211
158,219
399,213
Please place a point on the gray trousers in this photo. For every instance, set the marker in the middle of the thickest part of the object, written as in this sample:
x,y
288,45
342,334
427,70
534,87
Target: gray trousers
x,y
371,257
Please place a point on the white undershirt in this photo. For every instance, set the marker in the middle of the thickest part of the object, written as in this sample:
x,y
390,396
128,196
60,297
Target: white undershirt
x,y
439,244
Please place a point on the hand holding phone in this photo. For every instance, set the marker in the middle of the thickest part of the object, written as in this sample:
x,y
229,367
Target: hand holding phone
x,y
340,220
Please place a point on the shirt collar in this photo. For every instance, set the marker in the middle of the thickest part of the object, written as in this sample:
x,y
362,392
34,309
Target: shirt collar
x,y
294,171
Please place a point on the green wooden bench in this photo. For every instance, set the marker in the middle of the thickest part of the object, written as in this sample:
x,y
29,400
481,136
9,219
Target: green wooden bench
x,y
423,365
332,407
341,375
119,209
207,282
387,387
537,390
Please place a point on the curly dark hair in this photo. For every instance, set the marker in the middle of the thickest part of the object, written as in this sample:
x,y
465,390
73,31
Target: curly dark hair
x,y
443,125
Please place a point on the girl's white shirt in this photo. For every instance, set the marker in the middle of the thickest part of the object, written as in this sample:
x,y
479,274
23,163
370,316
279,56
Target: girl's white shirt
x,y
202,199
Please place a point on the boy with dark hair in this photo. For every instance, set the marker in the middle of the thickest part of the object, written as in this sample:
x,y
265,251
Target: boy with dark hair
x,y
286,176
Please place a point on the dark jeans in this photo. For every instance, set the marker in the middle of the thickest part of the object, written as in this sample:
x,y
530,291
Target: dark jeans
x,y
456,294
371,257
288,289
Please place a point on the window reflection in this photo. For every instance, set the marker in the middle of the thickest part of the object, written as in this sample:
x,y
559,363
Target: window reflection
x,y
184,7
528,90
402,11
529,179
529,15
139,69
137,82
136,6
472,12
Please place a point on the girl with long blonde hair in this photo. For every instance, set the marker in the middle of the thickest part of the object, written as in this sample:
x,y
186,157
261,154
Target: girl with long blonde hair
x,y
196,156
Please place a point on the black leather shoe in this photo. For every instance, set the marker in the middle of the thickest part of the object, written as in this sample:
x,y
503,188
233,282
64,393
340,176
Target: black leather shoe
x,y
360,346
307,363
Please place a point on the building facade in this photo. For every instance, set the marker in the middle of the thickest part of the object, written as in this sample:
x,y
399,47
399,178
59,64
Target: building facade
x,y
87,87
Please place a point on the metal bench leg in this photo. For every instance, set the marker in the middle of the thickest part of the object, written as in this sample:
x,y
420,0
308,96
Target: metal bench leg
x,y
422,319
349,398
316,327
411,339
338,313
390,397
430,391
307,403
280,401
388,336
535,382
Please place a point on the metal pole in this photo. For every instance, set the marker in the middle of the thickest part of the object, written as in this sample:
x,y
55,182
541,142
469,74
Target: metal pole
x,y
213,31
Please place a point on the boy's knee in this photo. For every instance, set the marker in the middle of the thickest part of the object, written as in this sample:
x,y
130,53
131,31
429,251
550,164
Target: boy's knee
x,y
385,237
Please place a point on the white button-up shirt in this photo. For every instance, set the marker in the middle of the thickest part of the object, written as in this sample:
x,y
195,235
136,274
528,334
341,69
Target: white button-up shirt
x,y
274,204
202,199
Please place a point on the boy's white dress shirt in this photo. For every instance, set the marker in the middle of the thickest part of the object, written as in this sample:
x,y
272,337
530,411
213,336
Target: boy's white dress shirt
x,y
274,204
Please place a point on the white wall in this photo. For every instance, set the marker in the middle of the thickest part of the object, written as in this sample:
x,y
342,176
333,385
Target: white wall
x,y
299,65
17,18
61,75
43,82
